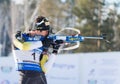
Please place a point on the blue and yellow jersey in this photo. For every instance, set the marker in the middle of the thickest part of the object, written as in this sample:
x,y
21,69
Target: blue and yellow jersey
x,y
27,52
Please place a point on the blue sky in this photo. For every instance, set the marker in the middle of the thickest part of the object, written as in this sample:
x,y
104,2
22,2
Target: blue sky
x,y
111,6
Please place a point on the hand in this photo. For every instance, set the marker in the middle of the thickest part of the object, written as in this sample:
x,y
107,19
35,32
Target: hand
x,y
46,44
56,46
19,37
18,34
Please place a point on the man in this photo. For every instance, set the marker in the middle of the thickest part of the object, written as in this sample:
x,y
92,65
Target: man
x,y
31,52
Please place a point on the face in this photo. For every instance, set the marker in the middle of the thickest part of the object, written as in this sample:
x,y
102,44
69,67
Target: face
x,y
38,32
42,32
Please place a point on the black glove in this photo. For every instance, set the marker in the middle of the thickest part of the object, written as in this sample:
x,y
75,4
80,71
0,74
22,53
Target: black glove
x,y
18,34
46,44
56,46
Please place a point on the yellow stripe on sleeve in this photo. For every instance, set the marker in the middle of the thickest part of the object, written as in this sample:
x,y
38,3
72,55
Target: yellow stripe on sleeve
x,y
43,61
20,45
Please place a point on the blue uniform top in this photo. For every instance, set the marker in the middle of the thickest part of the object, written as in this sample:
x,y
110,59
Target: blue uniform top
x,y
28,52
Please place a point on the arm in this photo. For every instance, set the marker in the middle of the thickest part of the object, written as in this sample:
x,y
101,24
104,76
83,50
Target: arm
x,y
22,44
51,57
48,65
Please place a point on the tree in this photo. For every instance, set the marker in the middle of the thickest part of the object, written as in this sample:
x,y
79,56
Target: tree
x,y
94,24
5,28
58,12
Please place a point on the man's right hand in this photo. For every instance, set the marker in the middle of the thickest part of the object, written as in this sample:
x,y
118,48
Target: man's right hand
x,y
56,46
46,44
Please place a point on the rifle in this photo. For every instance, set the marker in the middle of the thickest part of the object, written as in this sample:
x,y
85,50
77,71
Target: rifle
x,y
71,39
77,38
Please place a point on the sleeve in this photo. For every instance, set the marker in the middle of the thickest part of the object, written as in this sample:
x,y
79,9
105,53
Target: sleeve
x,y
48,65
26,45
21,45
43,61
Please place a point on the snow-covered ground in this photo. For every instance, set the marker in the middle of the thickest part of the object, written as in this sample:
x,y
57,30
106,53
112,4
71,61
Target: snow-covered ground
x,y
80,68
